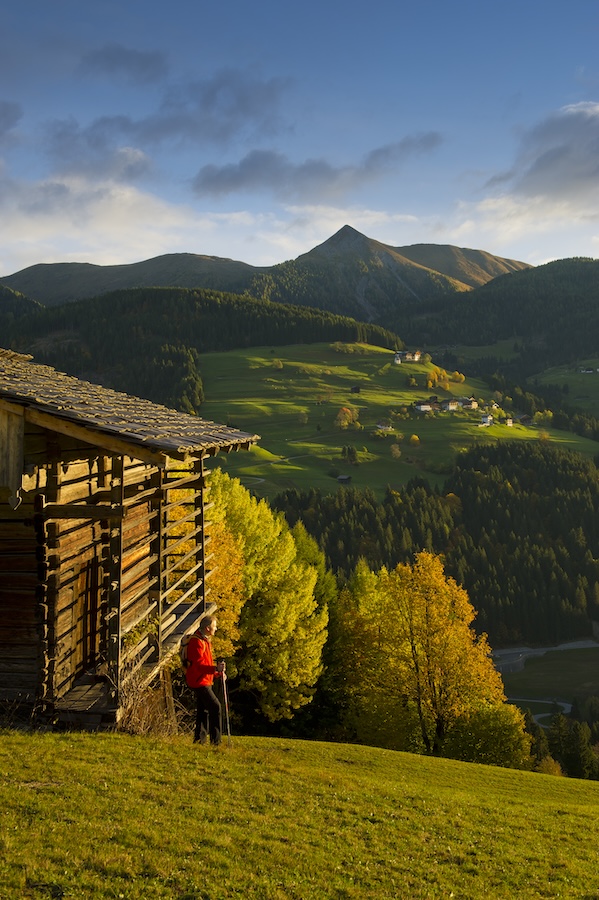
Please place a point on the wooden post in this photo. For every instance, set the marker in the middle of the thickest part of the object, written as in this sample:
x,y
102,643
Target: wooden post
x,y
200,529
44,684
115,565
159,537
11,459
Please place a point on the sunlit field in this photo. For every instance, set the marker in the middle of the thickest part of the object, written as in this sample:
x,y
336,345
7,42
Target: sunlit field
x,y
291,396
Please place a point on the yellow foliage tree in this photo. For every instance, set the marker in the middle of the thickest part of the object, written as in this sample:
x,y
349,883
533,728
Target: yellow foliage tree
x,y
444,669
282,629
227,590
416,670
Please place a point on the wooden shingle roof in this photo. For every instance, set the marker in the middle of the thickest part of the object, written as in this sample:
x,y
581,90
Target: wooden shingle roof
x,y
110,419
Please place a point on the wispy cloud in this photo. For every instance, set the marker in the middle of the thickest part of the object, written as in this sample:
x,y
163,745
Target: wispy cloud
x,y
230,106
230,103
267,170
98,222
94,151
548,199
558,159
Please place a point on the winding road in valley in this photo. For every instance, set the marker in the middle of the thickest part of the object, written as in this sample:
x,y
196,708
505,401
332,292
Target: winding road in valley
x,y
513,659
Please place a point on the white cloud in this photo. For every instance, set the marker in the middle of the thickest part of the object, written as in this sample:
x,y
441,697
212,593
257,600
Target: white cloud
x,y
547,205
534,230
107,223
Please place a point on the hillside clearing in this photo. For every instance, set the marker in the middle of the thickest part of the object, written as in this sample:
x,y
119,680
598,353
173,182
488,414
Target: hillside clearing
x,y
105,816
291,397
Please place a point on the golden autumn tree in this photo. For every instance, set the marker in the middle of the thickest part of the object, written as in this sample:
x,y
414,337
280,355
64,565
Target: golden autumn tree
x,y
443,668
226,589
419,674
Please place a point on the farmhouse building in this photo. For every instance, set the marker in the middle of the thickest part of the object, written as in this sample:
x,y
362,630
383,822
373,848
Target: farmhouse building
x,y
449,405
103,543
407,356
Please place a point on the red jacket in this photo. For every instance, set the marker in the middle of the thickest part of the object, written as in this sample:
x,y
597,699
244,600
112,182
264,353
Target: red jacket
x,y
201,668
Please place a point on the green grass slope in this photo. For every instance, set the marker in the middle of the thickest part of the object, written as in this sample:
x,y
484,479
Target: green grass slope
x,y
291,397
113,816
579,383
470,267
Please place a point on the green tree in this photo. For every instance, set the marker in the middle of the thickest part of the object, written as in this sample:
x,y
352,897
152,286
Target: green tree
x,y
282,627
494,734
540,745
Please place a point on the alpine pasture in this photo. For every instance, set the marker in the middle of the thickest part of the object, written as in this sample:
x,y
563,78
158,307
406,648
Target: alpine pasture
x,y
114,816
292,395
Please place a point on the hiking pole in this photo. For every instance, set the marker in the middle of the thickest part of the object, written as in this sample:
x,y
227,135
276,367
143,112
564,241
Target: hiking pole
x,y
226,699
223,673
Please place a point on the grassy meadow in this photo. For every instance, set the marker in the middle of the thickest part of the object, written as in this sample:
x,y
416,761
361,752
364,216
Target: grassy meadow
x,y
115,816
291,396
582,388
557,675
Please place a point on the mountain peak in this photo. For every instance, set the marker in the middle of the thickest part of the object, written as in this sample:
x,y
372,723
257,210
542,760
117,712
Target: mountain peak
x,y
346,239
346,236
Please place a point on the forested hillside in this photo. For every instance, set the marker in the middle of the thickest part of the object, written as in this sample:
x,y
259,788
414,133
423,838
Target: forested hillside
x,y
516,523
55,283
13,305
552,311
356,276
146,341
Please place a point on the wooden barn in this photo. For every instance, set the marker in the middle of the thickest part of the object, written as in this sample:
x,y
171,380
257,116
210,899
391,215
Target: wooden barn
x,y
103,544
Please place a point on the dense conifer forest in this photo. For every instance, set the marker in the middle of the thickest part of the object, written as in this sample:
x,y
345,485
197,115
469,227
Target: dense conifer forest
x,y
516,524
552,311
146,341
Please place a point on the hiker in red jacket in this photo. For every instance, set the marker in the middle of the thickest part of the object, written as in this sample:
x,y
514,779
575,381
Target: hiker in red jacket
x,y
200,673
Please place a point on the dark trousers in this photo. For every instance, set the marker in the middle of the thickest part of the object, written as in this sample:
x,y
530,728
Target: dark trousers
x,y
208,716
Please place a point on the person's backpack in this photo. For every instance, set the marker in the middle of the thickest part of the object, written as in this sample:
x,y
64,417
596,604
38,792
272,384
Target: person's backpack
x,y
183,650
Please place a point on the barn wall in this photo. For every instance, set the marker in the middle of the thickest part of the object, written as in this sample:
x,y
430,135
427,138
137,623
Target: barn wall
x,y
20,632
57,575
104,566
81,594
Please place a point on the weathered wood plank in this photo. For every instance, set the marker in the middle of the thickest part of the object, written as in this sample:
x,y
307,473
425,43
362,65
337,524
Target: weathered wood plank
x,y
11,441
22,666
18,583
18,651
16,564
110,443
18,681
75,511
138,591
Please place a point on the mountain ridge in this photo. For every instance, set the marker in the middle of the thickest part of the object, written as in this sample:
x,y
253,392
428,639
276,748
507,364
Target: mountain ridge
x,y
349,273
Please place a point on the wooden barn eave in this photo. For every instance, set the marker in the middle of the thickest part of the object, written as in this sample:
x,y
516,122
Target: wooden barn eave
x,y
114,444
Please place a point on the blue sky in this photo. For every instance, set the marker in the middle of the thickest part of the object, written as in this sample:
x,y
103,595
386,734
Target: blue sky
x,y
255,131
